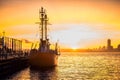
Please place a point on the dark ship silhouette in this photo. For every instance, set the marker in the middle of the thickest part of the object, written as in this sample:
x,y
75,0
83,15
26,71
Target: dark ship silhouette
x,y
43,56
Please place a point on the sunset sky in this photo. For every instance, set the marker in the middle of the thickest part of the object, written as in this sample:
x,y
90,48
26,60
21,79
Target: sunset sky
x,y
75,23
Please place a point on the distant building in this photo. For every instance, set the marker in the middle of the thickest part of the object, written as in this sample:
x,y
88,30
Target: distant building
x,y
109,47
118,47
103,48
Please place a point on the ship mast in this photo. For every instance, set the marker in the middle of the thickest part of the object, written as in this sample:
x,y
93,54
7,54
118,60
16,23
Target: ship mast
x,y
46,19
44,41
41,17
43,24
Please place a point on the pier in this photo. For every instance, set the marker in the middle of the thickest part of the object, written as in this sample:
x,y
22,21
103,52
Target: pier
x,y
12,57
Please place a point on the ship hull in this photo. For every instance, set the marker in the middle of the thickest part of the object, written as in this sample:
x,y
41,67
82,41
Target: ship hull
x,y
40,60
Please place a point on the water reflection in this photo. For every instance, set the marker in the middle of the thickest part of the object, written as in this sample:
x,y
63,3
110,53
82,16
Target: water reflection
x,y
77,66
35,74
43,74
21,75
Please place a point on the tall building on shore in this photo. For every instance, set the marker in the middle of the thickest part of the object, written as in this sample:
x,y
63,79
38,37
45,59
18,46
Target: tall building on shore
x,y
118,48
109,47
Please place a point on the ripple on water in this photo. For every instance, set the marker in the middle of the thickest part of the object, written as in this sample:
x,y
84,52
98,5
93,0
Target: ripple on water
x,y
77,66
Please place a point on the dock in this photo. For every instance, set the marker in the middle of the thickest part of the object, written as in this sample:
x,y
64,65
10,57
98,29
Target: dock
x,y
12,57
11,66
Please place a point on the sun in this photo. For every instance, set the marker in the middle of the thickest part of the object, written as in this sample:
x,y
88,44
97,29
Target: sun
x,y
74,48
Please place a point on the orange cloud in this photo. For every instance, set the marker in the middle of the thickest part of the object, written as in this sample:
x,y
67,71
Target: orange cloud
x,y
102,18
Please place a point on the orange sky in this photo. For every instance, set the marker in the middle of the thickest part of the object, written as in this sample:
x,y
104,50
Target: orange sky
x,y
75,23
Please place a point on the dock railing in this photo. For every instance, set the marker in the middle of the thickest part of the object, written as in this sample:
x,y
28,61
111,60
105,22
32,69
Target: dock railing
x,y
11,48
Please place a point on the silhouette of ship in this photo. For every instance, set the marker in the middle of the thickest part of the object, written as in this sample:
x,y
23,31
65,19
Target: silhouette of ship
x,y
43,56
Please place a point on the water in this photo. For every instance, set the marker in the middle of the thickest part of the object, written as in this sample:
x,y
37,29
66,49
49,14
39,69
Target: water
x,y
77,66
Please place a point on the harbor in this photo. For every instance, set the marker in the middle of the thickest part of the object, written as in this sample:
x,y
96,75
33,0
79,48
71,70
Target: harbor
x,y
12,57
59,39
76,66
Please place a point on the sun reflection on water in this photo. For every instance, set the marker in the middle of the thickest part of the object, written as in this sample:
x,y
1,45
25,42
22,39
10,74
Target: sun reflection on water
x,y
77,66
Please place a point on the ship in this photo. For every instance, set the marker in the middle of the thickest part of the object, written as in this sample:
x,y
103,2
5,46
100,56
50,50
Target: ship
x,y
44,56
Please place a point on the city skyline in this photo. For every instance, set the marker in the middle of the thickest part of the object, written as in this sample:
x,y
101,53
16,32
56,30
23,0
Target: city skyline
x,y
76,24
